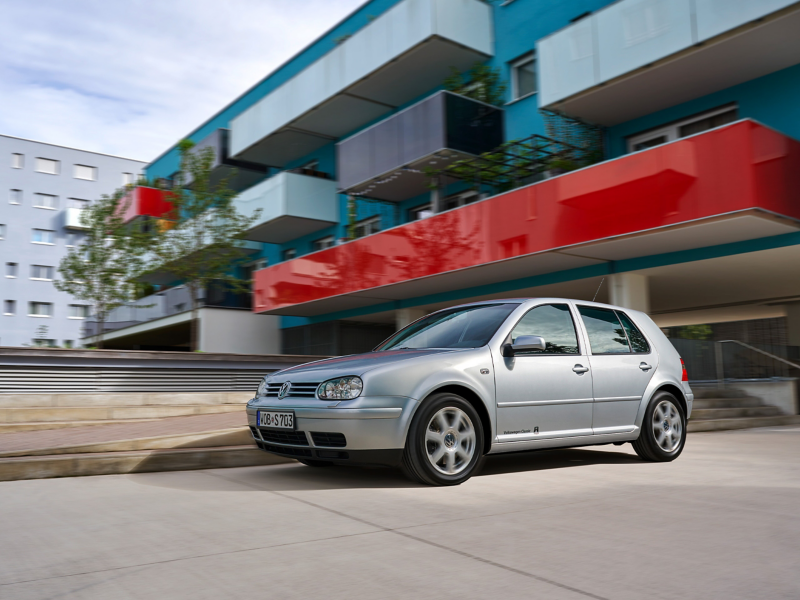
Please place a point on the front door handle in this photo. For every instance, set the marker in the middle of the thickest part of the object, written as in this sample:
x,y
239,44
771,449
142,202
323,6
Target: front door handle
x,y
580,369
644,366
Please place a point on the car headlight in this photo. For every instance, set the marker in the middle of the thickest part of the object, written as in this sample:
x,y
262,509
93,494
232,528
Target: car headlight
x,y
342,388
262,388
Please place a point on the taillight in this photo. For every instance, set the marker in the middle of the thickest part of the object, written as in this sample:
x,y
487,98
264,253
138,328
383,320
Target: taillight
x,y
685,374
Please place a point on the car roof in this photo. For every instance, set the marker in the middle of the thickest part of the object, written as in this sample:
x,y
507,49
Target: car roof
x,y
539,299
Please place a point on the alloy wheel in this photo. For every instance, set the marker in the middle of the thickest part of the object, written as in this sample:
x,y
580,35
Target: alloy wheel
x,y
450,440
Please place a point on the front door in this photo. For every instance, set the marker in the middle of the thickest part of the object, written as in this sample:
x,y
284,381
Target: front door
x,y
622,365
544,393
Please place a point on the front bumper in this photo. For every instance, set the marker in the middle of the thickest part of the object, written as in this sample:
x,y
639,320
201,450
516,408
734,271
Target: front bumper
x,y
361,431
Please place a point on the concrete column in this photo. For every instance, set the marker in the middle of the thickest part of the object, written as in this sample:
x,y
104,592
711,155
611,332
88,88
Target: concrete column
x,y
793,323
436,196
630,290
404,316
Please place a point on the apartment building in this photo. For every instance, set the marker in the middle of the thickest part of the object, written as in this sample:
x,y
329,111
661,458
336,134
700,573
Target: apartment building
x,y
688,209
44,188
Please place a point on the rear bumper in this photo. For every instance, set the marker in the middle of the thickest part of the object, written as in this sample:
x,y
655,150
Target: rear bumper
x,y
362,431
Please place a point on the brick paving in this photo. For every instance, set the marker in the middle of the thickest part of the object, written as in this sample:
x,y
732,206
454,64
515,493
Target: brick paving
x,y
54,438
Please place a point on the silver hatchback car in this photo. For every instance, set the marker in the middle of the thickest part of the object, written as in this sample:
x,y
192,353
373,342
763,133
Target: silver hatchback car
x,y
483,378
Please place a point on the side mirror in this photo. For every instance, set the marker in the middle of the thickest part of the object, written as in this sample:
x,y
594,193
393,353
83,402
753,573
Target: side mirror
x,y
522,343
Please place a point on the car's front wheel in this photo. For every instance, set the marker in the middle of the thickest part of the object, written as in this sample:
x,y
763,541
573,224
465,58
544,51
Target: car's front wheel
x,y
445,441
663,433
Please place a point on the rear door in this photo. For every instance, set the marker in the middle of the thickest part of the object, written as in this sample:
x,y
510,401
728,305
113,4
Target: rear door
x,y
622,362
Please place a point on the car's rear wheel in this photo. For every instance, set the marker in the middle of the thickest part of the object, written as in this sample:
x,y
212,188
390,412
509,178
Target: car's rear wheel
x,y
663,433
445,441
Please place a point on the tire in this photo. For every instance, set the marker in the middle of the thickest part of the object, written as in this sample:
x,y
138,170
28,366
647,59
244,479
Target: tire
x,y
663,434
445,441
315,463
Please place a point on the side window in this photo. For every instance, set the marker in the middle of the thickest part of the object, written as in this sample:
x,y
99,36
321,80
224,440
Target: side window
x,y
554,323
606,334
635,337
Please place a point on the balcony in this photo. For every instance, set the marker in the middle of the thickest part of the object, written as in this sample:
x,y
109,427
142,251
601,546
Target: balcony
x,y
387,160
72,219
146,202
406,51
292,205
636,57
730,184
240,174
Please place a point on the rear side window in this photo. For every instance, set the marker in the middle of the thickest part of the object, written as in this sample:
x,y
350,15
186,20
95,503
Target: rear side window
x,y
635,337
606,334
552,322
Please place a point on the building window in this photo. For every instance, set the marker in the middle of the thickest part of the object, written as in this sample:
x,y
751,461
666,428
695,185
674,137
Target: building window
x,y
45,201
420,212
523,76
11,269
368,226
15,197
68,343
259,264
44,343
684,127
323,243
78,311
40,309
72,240
47,165
459,199
42,272
9,307
43,236
289,253
77,203
2,231
127,179
17,161
85,172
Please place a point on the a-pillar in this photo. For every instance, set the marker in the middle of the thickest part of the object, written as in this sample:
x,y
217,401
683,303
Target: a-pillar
x,y
405,316
630,290
793,323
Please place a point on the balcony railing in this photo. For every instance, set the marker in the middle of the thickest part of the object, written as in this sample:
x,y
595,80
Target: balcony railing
x,y
292,205
166,303
397,57
635,57
239,173
72,218
146,202
731,184
388,160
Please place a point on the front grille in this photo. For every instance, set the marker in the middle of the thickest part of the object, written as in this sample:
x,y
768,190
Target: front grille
x,y
331,440
254,431
296,438
298,390
288,450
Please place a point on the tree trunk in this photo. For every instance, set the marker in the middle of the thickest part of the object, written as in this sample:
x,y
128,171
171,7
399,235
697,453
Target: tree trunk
x,y
194,342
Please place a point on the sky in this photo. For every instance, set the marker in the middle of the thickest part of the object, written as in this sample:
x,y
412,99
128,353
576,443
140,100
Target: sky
x,y
131,77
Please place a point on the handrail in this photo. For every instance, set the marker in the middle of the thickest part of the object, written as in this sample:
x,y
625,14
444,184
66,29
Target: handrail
x,y
764,352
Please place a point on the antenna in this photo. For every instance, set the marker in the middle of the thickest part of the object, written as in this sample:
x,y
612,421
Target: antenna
x,y
598,288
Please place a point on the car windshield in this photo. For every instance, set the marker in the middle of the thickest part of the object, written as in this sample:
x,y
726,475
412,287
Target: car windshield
x,y
467,327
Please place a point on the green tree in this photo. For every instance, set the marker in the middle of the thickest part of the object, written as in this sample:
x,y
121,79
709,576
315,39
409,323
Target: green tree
x,y
203,244
100,269
481,82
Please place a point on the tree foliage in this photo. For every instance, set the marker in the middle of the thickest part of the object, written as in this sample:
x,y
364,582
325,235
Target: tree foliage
x,y
99,270
481,82
202,244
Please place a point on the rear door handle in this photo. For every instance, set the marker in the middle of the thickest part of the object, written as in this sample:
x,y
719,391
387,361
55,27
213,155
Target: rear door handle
x,y
580,369
644,366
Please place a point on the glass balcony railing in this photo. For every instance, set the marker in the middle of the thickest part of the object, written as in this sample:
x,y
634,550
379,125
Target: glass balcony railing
x,y
239,173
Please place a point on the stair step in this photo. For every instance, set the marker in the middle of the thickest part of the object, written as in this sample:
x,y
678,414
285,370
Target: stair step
x,y
95,413
141,461
746,423
705,414
726,402
236,436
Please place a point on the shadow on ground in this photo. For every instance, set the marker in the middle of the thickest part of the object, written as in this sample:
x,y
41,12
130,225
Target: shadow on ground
x,y
297,477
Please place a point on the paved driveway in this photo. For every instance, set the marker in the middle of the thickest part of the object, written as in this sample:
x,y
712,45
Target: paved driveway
x,y
720,522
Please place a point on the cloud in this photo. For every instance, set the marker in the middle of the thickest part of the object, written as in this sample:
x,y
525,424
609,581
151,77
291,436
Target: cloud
x,y
131,77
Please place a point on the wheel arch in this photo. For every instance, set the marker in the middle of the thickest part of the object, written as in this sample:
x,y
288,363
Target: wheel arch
x,y
477,403
675,391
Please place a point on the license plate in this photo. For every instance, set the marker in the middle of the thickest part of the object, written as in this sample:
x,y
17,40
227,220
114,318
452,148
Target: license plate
x,y
275,419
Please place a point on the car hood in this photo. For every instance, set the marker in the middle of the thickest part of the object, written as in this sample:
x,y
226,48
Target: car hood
x,y
355,364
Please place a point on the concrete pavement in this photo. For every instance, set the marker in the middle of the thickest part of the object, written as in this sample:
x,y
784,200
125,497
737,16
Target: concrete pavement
x,y
720,522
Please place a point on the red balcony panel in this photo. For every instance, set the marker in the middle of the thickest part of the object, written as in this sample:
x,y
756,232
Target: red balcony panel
x,y
743,166
146,202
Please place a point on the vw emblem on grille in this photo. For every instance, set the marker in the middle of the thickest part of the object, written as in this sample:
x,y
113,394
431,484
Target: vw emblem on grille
x,y
284,390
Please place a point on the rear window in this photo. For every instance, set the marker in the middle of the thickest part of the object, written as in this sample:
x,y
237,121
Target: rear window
x,y
606,334
635,337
